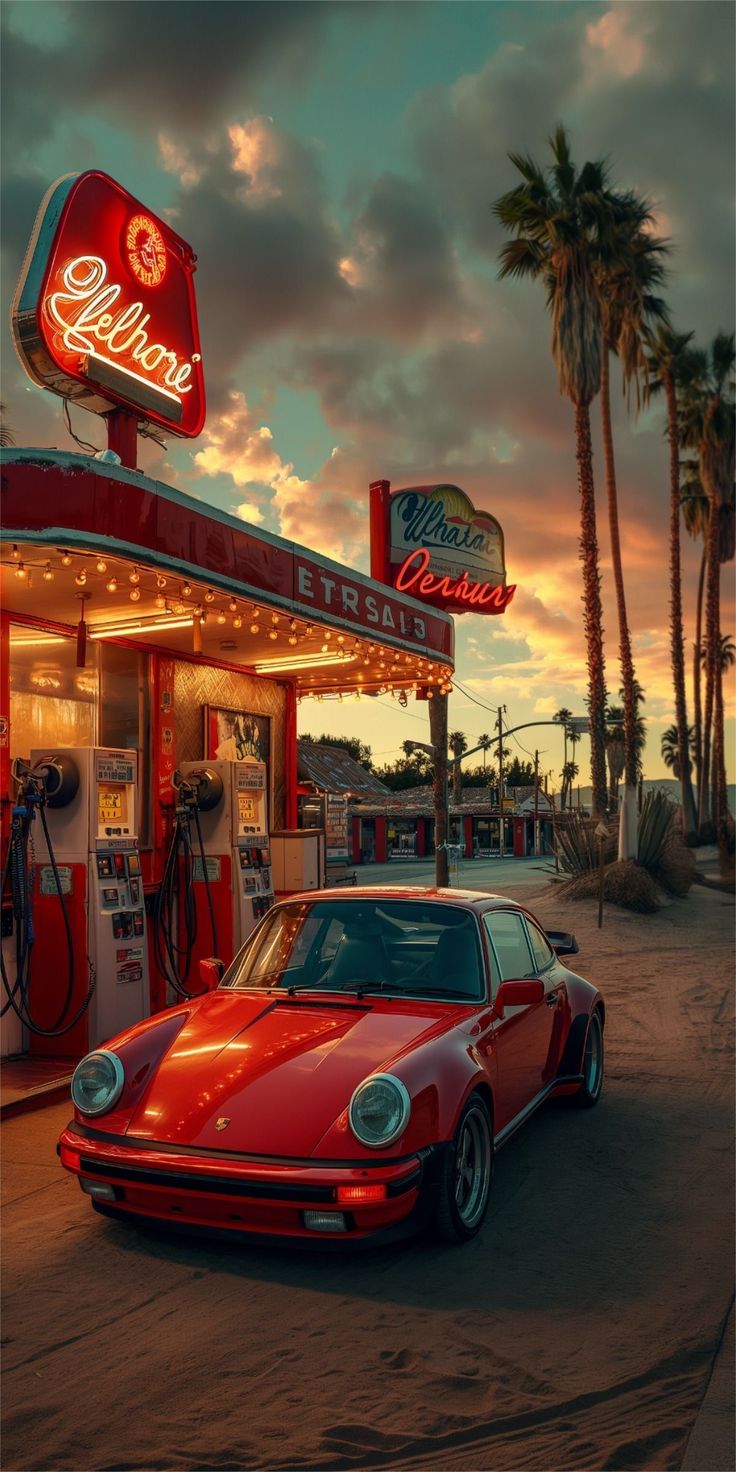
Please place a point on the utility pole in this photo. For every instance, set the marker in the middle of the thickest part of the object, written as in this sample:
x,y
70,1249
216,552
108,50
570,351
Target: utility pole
x,y
536,804
499,723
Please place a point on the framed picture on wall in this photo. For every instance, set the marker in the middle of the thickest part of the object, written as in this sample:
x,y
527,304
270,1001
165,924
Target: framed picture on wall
x,y
235,735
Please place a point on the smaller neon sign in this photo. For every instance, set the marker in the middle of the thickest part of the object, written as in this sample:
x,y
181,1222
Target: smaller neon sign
x,y
413,577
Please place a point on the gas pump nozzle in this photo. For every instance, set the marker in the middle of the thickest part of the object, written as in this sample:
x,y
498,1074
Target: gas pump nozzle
x,y
199,791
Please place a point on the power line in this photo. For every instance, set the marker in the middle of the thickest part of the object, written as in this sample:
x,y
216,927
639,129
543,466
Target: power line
x,y
492,708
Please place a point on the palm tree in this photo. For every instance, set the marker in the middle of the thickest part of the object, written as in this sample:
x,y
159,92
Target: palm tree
x,y
695,515
707,425
669,352
457,743
485,742
627,276
569,772
640,726
564,716
559,221
671,748
615,752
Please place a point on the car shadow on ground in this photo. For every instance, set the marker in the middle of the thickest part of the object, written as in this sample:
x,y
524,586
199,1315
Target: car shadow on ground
x,y
580,1199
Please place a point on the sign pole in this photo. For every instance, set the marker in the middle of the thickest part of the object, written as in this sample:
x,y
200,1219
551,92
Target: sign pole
x,y
500,781
122,436
601,834
438,731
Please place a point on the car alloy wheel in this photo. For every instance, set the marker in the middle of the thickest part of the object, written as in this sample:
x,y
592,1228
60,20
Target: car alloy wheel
x,y
466,1177
593,1058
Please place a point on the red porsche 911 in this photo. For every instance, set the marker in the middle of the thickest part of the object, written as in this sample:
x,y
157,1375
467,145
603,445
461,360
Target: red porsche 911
x,y
348,1078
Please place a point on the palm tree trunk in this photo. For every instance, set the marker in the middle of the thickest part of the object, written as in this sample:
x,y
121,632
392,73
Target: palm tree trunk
x,y
712,653
718,780
593,612
677,645
564,769
697,665
627,846
624,636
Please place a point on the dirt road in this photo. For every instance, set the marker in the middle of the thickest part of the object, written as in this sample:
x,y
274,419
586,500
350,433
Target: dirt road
x,y
578,1331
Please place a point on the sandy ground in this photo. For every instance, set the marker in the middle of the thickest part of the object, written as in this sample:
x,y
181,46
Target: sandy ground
x,y
578,1331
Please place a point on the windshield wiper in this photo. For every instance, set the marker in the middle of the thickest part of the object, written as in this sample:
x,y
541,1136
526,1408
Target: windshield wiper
x,y
362,989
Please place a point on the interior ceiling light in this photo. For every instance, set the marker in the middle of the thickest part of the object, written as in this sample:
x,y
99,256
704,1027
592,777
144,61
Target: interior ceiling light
x,y
299,662
19,641
138,626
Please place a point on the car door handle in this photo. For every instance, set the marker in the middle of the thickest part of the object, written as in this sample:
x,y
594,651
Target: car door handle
x,y
551,999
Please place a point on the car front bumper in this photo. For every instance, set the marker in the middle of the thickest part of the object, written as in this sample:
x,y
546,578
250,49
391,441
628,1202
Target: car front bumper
x,y
254,1197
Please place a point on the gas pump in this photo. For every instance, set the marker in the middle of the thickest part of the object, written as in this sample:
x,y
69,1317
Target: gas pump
x,y
93,831
237,859
51,784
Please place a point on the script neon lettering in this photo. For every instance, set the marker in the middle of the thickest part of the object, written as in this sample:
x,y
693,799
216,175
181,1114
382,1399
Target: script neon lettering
x,y
82,314
413,574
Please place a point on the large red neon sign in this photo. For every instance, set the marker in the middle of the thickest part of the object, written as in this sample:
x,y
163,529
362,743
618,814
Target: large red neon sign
x,y
460,593
105,311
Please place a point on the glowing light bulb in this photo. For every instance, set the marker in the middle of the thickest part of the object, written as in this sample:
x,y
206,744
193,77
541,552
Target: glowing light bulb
x,y
81,578
237,622
293,639
221,618
186,589
160,601
255,628
160,580
66,560
48,575
21,572
16,553
274,619
112,585
101,565
135,594
292,625
232,605
328,635
309,630
341,638
134,577
273,633
325,648
209,596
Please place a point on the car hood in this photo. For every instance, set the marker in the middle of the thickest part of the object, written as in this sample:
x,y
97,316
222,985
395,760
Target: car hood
x,y
279,1070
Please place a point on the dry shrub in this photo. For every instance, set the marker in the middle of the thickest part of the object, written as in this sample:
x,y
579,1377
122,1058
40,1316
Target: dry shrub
x,y
624,883
677,868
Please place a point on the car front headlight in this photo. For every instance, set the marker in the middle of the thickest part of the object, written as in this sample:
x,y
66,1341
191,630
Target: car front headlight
x,y
97,1082
379,1110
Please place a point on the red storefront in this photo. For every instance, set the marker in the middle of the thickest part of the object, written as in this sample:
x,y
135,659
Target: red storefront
x,y
135,618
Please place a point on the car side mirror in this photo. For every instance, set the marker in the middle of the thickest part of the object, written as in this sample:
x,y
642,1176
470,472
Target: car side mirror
x,y
563,942
522,993
211,973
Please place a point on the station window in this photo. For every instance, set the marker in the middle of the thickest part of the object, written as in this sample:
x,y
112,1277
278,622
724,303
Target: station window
x,y
125,716
52,701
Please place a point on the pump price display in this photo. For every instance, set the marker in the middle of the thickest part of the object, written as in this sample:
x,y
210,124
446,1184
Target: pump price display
x,y
247,808
110,804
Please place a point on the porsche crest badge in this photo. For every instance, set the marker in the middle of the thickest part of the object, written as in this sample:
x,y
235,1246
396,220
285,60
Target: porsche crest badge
x,y
222,1122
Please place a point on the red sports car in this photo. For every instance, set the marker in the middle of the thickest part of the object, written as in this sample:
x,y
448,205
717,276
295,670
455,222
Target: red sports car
x,y
348,1078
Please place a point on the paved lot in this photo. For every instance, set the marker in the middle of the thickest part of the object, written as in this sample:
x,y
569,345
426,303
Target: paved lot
x,y
515,877
579,1331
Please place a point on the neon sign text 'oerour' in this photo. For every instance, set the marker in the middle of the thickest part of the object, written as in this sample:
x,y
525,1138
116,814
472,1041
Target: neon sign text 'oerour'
x,y
82,312
413,574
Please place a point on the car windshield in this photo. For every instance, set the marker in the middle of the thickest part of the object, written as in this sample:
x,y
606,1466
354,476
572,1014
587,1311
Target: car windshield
x,y
400,947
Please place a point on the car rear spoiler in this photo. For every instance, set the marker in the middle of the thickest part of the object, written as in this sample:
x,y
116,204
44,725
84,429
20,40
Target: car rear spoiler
x,y
563,942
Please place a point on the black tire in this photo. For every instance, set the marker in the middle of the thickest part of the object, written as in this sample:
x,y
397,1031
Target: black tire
x,y
593,1064
464,1184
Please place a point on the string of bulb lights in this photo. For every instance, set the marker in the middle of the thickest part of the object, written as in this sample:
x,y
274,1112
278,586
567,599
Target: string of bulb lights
x,y
393,672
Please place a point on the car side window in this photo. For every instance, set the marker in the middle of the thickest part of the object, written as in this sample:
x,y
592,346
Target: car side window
x,y
541,948
508,934
492,962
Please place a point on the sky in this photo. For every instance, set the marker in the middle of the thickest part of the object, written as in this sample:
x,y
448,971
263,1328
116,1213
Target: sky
x,y
334,167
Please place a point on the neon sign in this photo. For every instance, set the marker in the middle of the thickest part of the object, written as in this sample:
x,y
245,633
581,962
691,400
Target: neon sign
x,y
105,313
413,577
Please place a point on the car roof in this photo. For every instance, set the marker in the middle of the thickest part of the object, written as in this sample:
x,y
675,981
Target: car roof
x,y
463,897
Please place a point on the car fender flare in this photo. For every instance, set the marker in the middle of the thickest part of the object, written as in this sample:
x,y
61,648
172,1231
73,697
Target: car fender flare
x,y
478,1084
571,1061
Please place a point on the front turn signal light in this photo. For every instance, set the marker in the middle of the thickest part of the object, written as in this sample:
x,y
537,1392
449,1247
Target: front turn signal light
x,y
70,1158
360,1195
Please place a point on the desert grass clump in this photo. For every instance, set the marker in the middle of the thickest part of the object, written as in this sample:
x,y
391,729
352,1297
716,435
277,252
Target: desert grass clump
x,y
677,868
579,850
625,883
